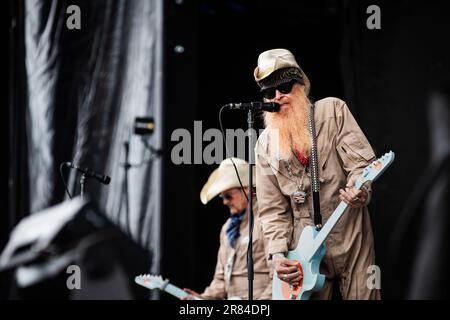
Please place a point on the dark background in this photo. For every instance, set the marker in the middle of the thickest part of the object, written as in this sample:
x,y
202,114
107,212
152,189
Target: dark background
x,y
386,76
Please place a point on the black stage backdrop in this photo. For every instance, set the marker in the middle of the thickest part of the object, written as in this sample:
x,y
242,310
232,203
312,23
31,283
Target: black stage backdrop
x,y
395,81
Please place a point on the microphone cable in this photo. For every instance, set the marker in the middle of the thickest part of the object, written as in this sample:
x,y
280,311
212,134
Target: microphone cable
x,y
228,154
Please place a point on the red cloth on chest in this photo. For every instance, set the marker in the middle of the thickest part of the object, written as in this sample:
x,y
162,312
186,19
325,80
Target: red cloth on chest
x,y
304,160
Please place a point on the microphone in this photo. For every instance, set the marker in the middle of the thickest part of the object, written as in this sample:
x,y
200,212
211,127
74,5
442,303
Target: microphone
x,y
90,173
255,106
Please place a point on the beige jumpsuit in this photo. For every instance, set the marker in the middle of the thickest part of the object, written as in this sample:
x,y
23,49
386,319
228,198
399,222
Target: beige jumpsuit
x,y
343,152
230,277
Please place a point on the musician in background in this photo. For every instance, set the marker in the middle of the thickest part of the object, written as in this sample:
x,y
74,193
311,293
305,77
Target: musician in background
x,y
230,277
283,178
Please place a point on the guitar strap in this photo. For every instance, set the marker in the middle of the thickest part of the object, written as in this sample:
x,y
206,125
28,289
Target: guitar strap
x,y
314,170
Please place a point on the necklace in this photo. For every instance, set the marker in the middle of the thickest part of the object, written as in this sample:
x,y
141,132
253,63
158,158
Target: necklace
x,y
298,196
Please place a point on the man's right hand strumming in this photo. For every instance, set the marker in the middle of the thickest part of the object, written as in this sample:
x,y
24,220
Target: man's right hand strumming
x,y
287,270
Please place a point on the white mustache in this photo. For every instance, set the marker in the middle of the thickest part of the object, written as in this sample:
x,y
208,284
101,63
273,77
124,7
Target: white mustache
x,y
282,101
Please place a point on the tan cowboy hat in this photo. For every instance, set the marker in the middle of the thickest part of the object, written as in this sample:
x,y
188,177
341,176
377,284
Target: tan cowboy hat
x,y
272,60
224,178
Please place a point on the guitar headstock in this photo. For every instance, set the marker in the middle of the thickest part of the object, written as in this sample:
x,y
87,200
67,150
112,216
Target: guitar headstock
x,y
151,281
376,168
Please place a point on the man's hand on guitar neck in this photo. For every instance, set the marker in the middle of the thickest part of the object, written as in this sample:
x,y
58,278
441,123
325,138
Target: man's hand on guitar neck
x,y
287,270
191,294
353,197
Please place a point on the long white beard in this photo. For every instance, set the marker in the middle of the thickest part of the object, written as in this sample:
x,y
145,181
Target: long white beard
x,y
291,126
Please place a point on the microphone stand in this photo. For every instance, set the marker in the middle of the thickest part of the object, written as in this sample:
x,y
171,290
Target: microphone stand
x,y
126,167
250,121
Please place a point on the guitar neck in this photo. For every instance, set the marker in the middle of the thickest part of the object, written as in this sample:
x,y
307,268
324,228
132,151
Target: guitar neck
x,y
177,292
326,229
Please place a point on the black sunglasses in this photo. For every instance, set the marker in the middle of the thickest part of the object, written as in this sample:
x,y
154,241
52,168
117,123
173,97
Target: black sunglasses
x,y
283,88
226,196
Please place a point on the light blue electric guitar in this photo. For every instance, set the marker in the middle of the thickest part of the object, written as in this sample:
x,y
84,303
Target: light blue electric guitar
x,y
157,282
311,245
154,282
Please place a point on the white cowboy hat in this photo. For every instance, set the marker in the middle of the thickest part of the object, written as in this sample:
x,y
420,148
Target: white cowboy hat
x,y
224,178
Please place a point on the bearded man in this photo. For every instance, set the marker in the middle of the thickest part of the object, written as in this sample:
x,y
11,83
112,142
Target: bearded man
x,y
283,182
